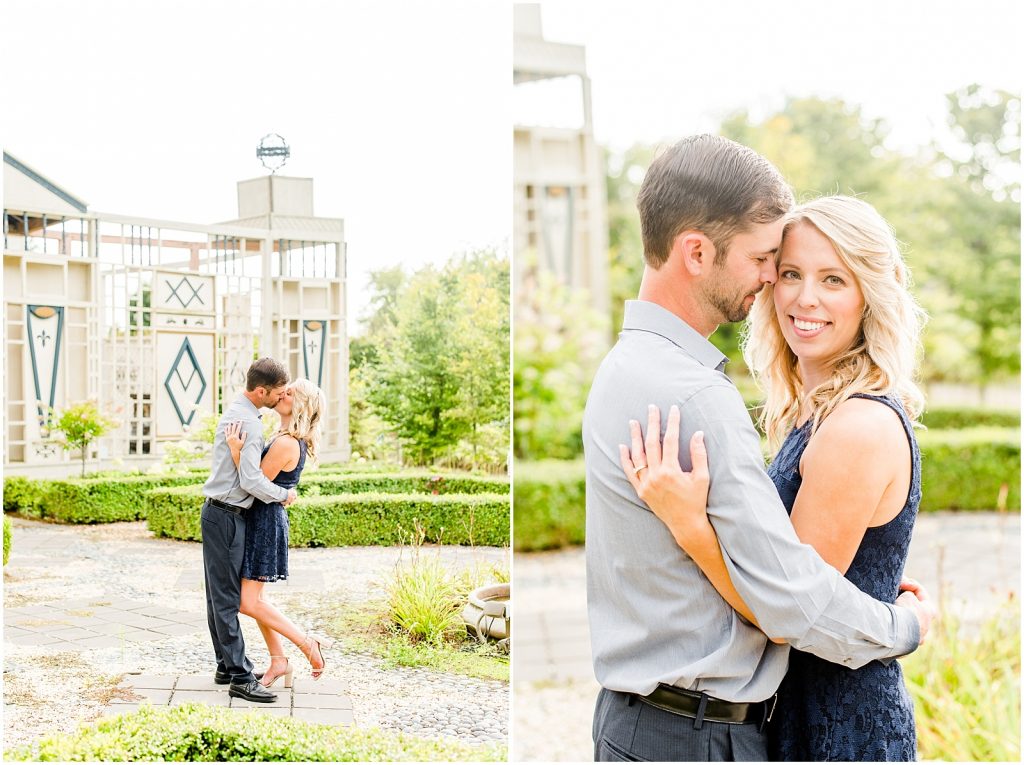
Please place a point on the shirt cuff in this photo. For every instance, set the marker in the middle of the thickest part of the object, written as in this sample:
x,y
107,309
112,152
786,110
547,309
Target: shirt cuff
x,y
908,632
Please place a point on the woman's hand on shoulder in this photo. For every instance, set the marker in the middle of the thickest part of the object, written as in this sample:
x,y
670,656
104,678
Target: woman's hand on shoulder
x,y
678,498
235,436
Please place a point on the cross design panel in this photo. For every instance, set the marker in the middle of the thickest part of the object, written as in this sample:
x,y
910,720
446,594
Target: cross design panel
x,y
45,324
314,338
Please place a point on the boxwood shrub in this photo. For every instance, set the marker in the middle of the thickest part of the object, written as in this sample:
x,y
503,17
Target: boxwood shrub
x,y
420,482
943,418
355,519
22,495
960,470
86,500
549,498
199,733
7,539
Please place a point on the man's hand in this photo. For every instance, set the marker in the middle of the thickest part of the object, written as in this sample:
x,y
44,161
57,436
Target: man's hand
x,y
915,597
292,496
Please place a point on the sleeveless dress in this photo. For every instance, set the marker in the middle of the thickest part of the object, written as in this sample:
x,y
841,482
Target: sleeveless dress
x,y
266,529
827,712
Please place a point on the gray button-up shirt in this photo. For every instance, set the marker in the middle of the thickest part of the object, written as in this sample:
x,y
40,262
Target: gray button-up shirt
x,y
654,617
237,486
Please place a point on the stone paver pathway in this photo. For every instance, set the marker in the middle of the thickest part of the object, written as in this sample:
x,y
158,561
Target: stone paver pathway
x,y
970,560
320,701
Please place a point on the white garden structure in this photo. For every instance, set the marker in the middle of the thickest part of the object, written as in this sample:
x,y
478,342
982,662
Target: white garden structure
x,y
157,321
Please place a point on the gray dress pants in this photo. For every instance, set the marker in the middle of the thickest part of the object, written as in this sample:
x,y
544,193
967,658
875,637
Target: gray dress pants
x,y
628,730
223,546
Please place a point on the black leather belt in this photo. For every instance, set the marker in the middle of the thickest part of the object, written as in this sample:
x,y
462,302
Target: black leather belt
x,y
700,706
226,506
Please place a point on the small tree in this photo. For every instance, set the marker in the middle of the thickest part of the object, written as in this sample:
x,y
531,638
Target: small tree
x,y
81,424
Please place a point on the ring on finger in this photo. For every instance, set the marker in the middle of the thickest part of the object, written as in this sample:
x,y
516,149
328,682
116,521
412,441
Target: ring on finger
x,y
636,471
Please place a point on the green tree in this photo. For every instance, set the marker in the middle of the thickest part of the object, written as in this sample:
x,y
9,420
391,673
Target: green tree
x,y
81,424
441,373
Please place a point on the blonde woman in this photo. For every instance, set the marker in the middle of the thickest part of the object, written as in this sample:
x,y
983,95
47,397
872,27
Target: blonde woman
x,y
833,345
265,559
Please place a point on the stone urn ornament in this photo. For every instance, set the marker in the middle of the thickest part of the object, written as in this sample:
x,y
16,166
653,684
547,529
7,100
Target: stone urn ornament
x,y
488,614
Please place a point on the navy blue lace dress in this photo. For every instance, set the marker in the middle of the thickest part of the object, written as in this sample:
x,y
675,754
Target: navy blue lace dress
x,y
827,712
266,529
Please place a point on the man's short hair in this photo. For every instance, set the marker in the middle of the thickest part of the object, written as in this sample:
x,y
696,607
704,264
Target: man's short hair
x,y
266,373
709,184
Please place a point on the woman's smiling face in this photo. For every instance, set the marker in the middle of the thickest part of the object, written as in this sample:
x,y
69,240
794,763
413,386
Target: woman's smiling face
x,y
818,302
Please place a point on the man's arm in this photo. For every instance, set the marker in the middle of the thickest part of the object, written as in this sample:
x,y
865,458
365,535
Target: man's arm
x,y
793,593
250,475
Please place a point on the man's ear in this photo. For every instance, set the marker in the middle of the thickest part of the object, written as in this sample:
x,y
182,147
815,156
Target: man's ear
x,y
693,251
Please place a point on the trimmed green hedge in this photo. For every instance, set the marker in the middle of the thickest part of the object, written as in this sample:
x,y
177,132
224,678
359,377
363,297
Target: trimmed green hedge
x,y
7,539
86,500
355,519
420,482
549,498
954,419
199,733
966,469
960,470
21,494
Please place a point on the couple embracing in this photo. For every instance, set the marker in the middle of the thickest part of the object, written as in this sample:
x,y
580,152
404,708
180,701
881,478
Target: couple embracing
x,y
722,625
245,526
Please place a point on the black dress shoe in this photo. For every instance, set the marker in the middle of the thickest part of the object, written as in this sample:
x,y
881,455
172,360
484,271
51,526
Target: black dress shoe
x,y
223,678
252,692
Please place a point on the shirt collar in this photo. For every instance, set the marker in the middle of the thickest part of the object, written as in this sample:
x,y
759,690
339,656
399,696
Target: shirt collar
x,y
247,403
650,317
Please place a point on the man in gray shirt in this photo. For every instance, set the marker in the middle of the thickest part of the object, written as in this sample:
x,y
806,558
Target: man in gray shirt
x,y
683,676
229,494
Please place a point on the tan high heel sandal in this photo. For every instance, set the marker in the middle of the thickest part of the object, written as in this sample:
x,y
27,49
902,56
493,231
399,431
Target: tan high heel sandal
x,y
322,642
288,674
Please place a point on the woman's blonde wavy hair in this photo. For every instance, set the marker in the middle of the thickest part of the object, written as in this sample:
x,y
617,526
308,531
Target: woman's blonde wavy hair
x,y
308,407
883,358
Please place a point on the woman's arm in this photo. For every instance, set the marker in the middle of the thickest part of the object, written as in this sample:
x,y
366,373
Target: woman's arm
x,y
680,499
282,455
858,454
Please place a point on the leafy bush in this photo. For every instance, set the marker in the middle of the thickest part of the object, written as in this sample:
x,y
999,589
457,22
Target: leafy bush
x,y
7,539
411,482
354,519
550,504
22,495
966,690
198,733
960,470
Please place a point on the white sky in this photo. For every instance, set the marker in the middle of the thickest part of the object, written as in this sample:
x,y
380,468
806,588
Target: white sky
x,y
397,111
662,70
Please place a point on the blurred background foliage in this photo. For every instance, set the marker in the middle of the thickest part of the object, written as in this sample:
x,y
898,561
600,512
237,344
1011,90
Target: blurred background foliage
x,y
429,373
954,204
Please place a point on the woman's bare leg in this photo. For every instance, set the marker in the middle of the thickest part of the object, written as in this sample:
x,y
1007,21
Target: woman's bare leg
x,y
273,623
